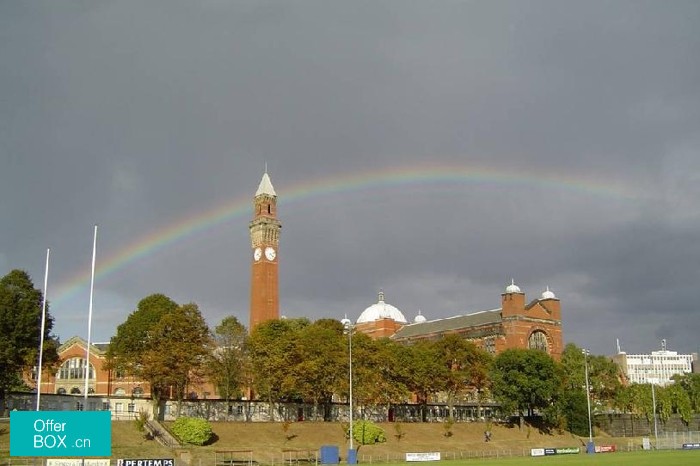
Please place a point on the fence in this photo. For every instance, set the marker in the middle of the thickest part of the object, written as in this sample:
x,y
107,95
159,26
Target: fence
x,y
666,441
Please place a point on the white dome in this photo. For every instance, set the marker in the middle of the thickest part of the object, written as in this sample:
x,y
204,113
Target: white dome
x,y
420,318
381,310
546,294
512,288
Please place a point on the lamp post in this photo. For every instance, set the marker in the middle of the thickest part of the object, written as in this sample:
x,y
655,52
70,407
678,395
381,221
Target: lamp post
x,y
349,327
653,402
590,448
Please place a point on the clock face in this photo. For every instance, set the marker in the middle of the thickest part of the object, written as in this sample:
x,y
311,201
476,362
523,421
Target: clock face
x,y
257,254
270,253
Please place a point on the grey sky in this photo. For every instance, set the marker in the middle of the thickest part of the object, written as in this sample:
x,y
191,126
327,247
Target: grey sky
x,y
140,115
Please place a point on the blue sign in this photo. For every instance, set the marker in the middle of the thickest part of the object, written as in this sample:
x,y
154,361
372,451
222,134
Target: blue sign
x,y
60,433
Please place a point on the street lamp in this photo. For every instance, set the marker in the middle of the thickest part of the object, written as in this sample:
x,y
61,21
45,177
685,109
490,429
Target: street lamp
x,y
653,402
590,448
349,327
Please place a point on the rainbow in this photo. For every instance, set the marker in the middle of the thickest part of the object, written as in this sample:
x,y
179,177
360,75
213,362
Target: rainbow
x,y
345,183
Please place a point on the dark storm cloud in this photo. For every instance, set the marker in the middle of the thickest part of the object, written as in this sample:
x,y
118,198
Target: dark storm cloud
x,y
138,116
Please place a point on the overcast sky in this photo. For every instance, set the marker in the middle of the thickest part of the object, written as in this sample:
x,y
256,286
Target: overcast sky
x,y
434,150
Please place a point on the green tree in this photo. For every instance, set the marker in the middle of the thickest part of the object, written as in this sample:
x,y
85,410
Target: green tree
x,y
691,385
163,343
425,372
480,362
272,354
180,346
451,351
229,360
133,336
525,381
320,369
680,402
20,326
364,378
605,379
391,376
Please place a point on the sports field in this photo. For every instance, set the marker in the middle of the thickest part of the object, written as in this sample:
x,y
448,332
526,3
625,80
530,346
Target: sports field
x,y
638,458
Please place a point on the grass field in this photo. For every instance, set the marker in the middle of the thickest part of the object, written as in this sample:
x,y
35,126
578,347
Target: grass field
x,y
273,443
638,458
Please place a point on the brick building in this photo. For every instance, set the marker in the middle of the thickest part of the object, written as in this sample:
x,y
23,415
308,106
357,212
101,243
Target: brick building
x,y
516,324
69,379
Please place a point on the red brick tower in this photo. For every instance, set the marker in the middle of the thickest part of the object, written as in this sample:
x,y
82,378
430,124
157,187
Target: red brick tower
x,y
536,325
264,237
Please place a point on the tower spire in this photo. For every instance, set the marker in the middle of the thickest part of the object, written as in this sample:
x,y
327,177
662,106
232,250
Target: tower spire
x,y
264,238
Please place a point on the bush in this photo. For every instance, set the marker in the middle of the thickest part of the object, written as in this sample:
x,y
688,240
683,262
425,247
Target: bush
x,y
141,420
367,433
192,430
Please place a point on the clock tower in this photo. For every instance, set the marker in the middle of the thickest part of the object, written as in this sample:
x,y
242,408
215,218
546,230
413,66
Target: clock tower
x,y
264,238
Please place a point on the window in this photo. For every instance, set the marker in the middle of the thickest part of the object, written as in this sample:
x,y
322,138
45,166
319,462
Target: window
x,y
74,368
490,345
61,391
537,340
137,392
119,392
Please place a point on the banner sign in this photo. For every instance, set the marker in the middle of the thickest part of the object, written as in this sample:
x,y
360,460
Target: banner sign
x,y
433,456
554,451
691,446
146,462
605,448
60,433
77,462
568,451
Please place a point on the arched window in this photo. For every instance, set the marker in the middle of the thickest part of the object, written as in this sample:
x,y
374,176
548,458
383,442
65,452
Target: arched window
x,y
75,391
74,368
119,392
61,391
137,392
537,340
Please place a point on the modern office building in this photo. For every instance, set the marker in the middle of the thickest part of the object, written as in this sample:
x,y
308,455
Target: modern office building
x,y
658,368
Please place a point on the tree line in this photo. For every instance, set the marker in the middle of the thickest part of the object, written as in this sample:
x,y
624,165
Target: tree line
x,y
169,346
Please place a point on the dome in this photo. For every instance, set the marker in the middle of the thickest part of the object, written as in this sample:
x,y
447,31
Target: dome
x,y
512,288
546,294
381,310
420,318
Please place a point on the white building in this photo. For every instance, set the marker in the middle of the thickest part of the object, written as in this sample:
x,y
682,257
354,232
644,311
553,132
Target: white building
x,y
658,367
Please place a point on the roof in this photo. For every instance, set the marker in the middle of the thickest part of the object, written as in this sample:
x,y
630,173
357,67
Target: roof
x,y
438,326
265,186
381,310
96,348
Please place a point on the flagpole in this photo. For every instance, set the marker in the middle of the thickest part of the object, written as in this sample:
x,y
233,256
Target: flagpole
x,y
87,350
43,328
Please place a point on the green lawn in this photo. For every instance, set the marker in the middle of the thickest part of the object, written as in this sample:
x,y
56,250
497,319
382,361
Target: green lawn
x,y
638,458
